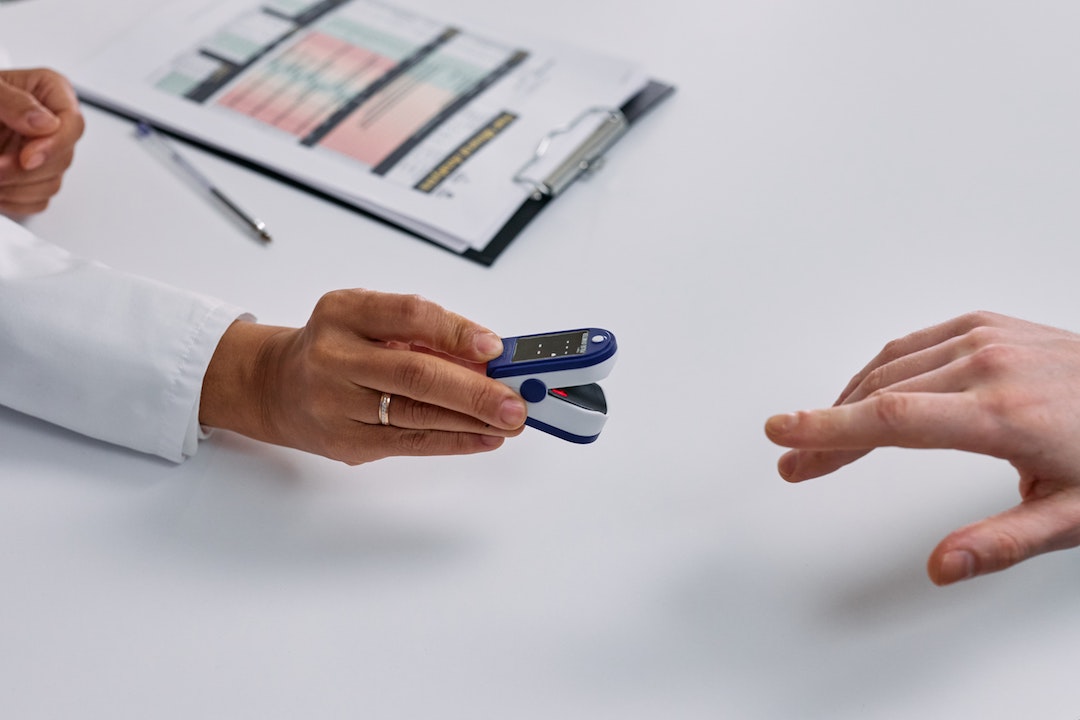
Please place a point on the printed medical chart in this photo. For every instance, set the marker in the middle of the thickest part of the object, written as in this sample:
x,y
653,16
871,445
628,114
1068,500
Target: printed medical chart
x,y
420,121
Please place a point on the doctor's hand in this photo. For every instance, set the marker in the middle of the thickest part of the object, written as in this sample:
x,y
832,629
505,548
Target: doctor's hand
x,y
323,388
983,383
40,123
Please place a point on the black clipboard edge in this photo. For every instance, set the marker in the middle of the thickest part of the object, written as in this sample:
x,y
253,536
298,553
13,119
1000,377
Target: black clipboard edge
x,y
632,110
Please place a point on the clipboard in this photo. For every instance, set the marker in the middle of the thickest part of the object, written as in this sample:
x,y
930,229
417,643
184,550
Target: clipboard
x,y
474,208
587,158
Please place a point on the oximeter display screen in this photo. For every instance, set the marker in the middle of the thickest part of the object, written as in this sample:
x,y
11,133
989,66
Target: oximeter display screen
x,y
540,347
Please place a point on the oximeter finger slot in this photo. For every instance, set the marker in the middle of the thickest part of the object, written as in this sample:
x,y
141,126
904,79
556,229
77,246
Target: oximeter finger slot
x,y
590,397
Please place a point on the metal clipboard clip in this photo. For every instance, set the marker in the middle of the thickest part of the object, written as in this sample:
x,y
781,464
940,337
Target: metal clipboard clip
x,y
587,157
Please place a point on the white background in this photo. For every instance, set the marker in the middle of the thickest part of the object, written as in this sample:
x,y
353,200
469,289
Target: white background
x,y
829,175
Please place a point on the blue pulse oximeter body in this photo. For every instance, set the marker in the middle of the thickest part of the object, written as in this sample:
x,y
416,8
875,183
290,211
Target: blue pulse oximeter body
x,y
557,374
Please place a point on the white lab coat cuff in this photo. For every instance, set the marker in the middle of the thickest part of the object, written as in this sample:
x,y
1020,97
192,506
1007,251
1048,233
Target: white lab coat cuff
x,y
108,354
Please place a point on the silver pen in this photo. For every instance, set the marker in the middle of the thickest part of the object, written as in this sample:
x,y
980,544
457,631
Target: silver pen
x,y
148,134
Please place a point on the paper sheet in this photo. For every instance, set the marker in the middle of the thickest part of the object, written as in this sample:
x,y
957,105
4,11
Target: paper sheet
x,y
414,119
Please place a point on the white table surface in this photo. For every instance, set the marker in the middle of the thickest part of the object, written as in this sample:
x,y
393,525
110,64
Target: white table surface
x,y
829,175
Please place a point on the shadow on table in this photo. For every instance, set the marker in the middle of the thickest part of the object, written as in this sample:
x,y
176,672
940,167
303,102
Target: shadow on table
x,y
237,506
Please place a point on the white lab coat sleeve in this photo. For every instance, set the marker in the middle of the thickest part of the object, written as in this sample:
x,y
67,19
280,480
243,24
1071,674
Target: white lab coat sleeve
x,y
104,353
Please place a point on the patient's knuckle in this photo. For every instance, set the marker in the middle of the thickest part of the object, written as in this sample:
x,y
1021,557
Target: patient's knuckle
x,y
993,359
1008,549
892,350
980,318
981,336
876,378
891,408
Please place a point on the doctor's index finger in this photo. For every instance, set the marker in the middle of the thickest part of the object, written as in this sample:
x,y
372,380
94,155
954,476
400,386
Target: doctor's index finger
x,y
412,320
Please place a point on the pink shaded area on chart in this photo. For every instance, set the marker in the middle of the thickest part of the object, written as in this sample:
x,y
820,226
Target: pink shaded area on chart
x,y
373,132
306,84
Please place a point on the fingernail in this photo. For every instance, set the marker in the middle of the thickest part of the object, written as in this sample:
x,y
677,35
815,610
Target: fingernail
x,y
489,344
957,565
491,441
780,424
786,465
512,412
40,120
35,161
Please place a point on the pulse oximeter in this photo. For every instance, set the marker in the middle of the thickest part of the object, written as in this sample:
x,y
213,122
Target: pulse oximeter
x,y
557,374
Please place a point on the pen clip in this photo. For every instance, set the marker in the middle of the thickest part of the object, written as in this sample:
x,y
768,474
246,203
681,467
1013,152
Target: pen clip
x,y
586,157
